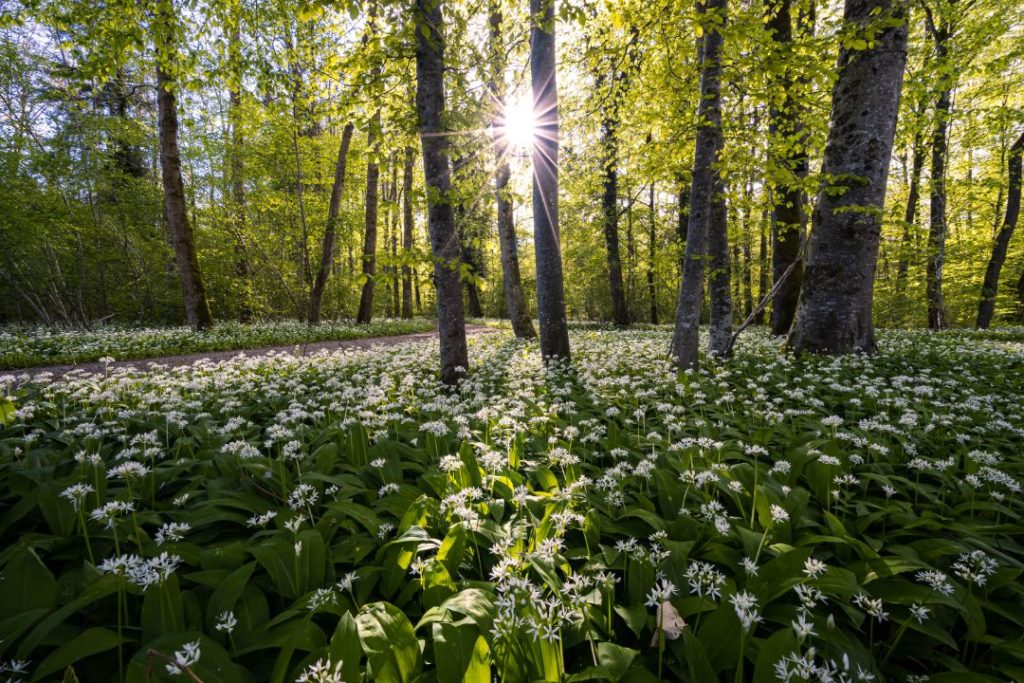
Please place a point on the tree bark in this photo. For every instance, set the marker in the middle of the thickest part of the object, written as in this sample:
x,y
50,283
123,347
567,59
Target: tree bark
x,y
703,185
327,250
515,301
610,201
910,215
554,331
242,267
407,231
762,260
937,225
682,218
197,307
652,245
365,314
748,293
1020,296
719,279
393,219
444,240
788,166
834,312
989,290
469,253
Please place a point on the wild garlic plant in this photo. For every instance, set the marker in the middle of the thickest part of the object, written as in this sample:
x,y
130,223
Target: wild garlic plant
x,y
343,516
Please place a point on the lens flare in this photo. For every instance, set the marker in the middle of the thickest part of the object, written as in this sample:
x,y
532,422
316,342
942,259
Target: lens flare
x,y
520,126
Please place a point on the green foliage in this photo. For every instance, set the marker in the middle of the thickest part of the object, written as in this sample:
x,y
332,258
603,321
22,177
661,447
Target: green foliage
x,y
261,520
26,347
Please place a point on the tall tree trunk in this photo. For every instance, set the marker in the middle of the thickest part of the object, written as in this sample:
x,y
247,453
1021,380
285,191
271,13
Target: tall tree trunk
x,y
989,290
787,166
834,313
393,219
242,268
762,261
937,225
365,314
910,214
630,254
407,231
469,254
652,245
682,218
719,279
748,291
554,331
610,205
330,230
444,240
736,270
1020,296
703,186
197,307
515,301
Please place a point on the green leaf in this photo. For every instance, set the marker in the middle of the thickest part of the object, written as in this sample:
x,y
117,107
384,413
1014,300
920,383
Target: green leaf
x,y
389,642
26,584
97,590
615,658
777,646
214,665
89,642
344,647
227,593
162,609
460,654
7,410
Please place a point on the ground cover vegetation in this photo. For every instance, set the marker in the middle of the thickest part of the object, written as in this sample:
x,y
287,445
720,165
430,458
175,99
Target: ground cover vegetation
x,y
31,346
346,516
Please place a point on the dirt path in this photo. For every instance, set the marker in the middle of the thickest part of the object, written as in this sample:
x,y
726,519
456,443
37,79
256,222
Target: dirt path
x,y
58,371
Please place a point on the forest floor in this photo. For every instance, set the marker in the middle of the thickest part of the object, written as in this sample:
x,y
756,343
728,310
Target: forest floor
x,y
266,517
58,371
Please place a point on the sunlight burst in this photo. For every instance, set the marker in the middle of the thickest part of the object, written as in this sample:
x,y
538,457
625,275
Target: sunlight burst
x,y
520,124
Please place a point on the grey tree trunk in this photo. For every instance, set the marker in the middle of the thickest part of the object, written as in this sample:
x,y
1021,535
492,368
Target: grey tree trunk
x,y
327,251
748,291
1020,297
834,312
468,233
989,290
910,215
407,231
719,279
197,307
610,202
788,167
515,301
365,314
393,219
682,218
762,260
652,246
703,186
444,240
937,225
554,331
242,267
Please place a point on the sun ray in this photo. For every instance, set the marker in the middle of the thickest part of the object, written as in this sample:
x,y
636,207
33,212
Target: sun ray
x,y
519,126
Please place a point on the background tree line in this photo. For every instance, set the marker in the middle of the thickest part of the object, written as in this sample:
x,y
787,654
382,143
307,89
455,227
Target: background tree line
x,y
302,173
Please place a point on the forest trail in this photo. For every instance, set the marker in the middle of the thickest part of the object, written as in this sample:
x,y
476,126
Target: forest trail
x,y
56,372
